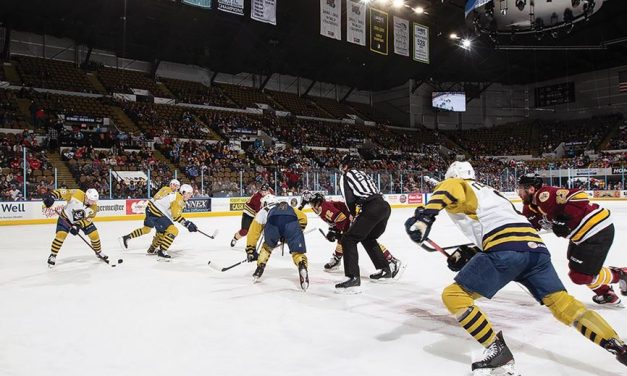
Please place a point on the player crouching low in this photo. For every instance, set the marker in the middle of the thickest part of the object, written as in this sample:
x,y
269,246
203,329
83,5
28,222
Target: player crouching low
x,y
148,223
278,221
336,215
77,215
162,213
251,208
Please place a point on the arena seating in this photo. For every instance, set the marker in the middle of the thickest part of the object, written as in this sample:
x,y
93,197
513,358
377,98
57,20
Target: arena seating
x,y
338,110
10,115
245,96
123,80
197,93
52,74
297,105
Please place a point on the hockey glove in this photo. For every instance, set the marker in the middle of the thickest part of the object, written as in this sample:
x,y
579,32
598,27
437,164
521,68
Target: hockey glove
x,y
74,229
460,257
419,226
560,226
251,253
191,227
332,235
48,201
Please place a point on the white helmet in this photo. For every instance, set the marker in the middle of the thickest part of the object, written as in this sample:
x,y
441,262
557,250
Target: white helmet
x,y
186,188
92,195
461,170
268,200
175,182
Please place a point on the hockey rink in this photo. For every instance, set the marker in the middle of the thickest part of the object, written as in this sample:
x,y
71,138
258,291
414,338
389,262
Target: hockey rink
x,y
146,317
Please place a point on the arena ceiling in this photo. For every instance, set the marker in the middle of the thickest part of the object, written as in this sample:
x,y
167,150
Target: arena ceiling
x,y
167,30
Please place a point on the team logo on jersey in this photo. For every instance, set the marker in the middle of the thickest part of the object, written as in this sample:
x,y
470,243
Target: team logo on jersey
x,y
543,196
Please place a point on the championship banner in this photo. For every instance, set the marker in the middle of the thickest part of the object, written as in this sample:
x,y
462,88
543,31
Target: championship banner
x,y
356,22
421,43
263,11
330,21
199,3
232,6
401,36
378,31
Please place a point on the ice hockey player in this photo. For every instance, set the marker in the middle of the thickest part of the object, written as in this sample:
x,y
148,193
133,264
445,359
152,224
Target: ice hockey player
x,y
251,208
278,221
335,214
77,215
507,249
588,228
148,222
162,213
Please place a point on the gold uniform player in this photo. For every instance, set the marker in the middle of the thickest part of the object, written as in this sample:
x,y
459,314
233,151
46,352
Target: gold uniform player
x,y
148,222
507,249
278,221
162,213
77,215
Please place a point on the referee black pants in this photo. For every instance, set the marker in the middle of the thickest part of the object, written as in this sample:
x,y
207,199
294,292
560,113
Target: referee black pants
x,y
366,229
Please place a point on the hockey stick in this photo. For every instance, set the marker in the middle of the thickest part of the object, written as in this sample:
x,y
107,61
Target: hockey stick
x,y
259,243
213,236
434,247
98,254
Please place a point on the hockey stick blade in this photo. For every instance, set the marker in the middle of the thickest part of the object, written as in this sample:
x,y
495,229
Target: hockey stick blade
x,y
213,236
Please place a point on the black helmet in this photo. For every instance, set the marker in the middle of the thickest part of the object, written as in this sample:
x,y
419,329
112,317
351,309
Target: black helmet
x,y
264,187
530,180
316,199
349,160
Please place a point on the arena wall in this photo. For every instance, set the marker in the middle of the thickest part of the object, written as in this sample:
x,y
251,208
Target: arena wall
x,y
33,212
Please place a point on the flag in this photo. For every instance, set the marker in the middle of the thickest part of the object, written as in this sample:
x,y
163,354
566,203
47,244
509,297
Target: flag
x,y
622,82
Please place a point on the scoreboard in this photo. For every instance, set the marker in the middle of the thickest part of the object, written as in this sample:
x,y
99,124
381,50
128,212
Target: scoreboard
x,y
555,94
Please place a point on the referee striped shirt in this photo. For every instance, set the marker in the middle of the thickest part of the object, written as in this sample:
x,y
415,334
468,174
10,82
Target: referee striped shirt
x,y
357,187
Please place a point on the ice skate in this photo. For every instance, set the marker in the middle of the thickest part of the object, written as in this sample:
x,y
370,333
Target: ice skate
x,y
622,282
618,348
52,260
497,360
124,241
333,264
609,299
258,272
151,251
304,276
163,256
350,286
233,242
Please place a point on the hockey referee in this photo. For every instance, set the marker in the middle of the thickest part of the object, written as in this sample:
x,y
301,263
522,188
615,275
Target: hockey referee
x,y
358,189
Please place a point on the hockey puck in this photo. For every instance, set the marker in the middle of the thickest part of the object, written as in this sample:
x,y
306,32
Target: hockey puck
x,y
113,266
120,261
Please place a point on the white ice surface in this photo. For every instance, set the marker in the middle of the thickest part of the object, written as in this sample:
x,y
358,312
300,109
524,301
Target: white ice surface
x,y
183,318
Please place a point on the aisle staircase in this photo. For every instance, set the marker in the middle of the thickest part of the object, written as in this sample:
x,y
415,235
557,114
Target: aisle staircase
x,y
95,82
63,172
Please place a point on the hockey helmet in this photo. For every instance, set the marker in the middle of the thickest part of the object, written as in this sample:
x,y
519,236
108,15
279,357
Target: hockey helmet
x,y
462,170
349,160
316,199
92,195
530,180
176,183
186,189
268,200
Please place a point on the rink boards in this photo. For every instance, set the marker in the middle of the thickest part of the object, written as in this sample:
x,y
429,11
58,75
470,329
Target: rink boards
x,y
33,212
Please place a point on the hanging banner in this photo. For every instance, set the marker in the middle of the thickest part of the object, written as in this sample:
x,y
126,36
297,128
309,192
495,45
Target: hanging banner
x,y
356,22
232,6
199,3
330,21
378,31
401,36
263,11
421,43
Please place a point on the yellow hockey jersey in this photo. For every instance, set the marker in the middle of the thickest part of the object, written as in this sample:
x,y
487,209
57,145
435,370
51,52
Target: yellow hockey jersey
x,y
256,227
76,211
170,205
484,215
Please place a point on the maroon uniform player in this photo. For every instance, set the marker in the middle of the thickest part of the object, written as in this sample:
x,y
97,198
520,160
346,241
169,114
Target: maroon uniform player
x,y
588,227
251,208
336,215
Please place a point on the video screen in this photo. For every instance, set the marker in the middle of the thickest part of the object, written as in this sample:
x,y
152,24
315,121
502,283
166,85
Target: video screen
x,y
449,101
